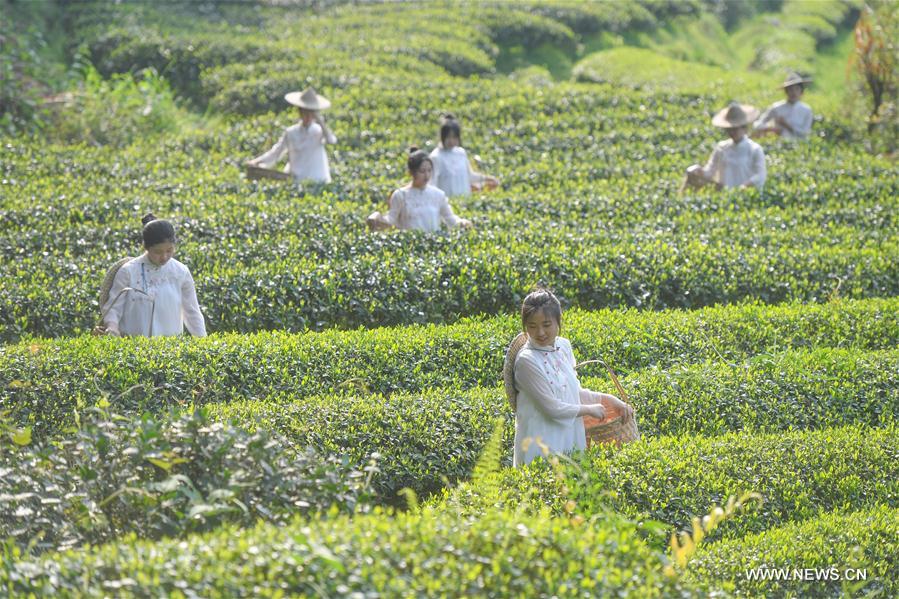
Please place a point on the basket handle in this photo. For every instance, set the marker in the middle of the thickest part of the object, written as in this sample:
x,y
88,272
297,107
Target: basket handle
x,y
614,378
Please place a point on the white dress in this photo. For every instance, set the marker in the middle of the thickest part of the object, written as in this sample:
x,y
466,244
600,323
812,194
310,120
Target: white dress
x,y
165,300
549,400
798,115
305,148
421,209
732,164
452,171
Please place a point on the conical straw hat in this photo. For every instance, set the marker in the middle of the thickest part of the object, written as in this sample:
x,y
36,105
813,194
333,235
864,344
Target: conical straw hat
x,y
735,115
308,99
795,78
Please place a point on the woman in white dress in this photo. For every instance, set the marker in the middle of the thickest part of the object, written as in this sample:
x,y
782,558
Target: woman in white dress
x,y
735,162
551,402
417,206
154,294
304,143
790,118
452,170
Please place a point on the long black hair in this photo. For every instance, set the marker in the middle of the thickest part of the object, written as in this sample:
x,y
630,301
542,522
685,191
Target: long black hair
x,y
157,230
416,158
541,299
450,126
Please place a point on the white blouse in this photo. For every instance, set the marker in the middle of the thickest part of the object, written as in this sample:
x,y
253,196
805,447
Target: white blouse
x,y
305,148
421,209
452,171
549,400
162,303
732,164
798,115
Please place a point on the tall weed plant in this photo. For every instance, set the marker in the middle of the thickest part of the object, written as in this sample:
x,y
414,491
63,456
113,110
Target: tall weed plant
x,y
118,111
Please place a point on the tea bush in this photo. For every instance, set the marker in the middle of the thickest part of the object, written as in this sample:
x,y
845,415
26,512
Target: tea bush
x,y
42,382
605,232
428,438
496,554
154,477
800,475
833,544
795,401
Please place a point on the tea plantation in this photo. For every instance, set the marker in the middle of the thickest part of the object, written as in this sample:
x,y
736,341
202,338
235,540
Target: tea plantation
x,y
343,430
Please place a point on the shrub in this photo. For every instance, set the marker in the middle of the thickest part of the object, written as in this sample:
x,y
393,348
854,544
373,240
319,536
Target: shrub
x,y
118,112
800,475
833,546
152,477
429,438
495,554
41,383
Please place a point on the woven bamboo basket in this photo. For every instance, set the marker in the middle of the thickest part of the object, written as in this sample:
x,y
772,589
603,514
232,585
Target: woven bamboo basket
x,y
509,368
613,428
105,286
255,173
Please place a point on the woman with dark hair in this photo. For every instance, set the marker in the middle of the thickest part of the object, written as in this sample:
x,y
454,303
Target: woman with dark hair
x,y
154,294
418,205
551,403
452,170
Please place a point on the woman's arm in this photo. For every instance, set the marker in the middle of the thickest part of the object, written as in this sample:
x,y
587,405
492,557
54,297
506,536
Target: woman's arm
x,y
758,169
435,167
530,380
396,203
328,136
448,216
804,127
711,167
271,158
190,308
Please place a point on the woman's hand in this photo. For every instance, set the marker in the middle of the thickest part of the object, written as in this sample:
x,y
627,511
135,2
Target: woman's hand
x,y
376,222
622,408
465,223
113,332
596,410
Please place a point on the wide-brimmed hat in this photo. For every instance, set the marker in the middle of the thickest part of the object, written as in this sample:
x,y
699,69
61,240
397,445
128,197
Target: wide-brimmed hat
x,y
308,99
795,78
735,115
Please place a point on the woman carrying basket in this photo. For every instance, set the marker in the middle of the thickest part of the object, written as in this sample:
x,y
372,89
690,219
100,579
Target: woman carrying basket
x,y
304,143
551,403
417,206
153,294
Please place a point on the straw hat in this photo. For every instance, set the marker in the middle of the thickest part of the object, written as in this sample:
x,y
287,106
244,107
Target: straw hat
x,y
509,368
308,99
735,115
794,78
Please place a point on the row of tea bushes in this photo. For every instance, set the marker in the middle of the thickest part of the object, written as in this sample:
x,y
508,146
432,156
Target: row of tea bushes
x,y
429,438
52,377
280,268
428,553
848,554
425,554
153,477
57,297
460,38
800,475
